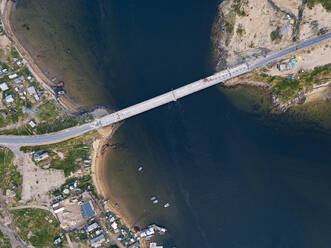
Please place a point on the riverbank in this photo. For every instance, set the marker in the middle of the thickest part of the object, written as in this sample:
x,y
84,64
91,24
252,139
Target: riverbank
x,y
6,12
236,39
99,159
71,107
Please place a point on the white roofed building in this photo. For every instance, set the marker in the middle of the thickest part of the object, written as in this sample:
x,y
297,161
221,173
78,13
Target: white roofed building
x,y
4,86
9,99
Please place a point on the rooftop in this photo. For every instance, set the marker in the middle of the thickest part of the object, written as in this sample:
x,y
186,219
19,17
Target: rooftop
x,y
87,210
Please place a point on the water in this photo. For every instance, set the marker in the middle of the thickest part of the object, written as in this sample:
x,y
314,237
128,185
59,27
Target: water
x,y
231,180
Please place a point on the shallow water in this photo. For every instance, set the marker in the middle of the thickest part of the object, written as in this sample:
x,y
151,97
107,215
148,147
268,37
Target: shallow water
x,y
231,180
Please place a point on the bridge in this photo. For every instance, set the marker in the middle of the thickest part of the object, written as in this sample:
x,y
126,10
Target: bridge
x,y
157,101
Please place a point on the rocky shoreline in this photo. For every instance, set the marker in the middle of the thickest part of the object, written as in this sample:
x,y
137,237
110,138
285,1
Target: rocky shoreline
x,y
219,39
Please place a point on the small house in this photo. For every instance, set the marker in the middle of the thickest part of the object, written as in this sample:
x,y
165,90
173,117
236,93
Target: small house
x,y
97,240
92,227
32,90
4,86
9,99
12,76
40,156
32,124
87,210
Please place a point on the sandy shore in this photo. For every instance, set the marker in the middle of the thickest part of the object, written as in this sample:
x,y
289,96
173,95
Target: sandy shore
x,y
99,176
98,162
7,7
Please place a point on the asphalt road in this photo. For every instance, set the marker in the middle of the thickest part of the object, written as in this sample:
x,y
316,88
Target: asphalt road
x,y
299,46
153,102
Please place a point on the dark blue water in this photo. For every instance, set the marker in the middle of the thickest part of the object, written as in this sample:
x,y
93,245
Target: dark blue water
x,y
231,181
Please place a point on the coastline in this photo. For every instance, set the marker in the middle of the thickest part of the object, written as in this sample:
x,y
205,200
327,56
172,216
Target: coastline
x,y
98,175
98,159
6,10
221,53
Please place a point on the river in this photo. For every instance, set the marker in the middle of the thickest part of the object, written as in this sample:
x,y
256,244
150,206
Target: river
x,y
232,181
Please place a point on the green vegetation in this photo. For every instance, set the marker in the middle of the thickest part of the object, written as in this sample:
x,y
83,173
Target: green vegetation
x,y
83,183
287,89
39,227
69,163
9,177
229,21
55,125
14,53
240,30
78,237
49,111
74,152
275,35
325,3
237,7
4,241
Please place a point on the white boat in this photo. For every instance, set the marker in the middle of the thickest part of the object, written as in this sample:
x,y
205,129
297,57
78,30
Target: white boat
x,y
153,198
155,201
140,168
167,205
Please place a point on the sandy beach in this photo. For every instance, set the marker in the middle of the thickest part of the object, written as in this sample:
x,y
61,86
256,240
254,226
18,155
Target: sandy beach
x,y
98,162
99,176
6,10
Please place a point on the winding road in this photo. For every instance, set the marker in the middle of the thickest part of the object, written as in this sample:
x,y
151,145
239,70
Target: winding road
x,y
155,102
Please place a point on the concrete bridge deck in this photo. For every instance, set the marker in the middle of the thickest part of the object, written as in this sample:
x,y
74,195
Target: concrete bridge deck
x,y
157,101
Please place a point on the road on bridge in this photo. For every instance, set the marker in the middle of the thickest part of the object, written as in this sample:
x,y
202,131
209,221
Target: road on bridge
x,y
157,101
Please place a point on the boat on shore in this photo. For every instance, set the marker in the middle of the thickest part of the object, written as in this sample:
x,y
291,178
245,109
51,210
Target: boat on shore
x,y
153,198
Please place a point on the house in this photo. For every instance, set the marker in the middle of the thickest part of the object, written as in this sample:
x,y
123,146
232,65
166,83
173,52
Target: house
x,y
154,245
19,80
87,210
114,226
32,124
287,66
32,90
57,241
97,240
9,99
12,76
4,86
4,115
40,156
92,227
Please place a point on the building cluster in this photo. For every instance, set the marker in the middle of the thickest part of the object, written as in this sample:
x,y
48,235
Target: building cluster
x,y
287,66
85,167
18,88
80,212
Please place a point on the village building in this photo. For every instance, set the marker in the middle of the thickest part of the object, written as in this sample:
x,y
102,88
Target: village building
x,y
9,99
32,124
12,76
4,86
95,242
19,80
40,156
87,210
32,90
92,227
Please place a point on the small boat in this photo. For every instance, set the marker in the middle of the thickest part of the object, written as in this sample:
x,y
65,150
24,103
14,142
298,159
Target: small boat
x,y
153,198
140,168
167,205
155,201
